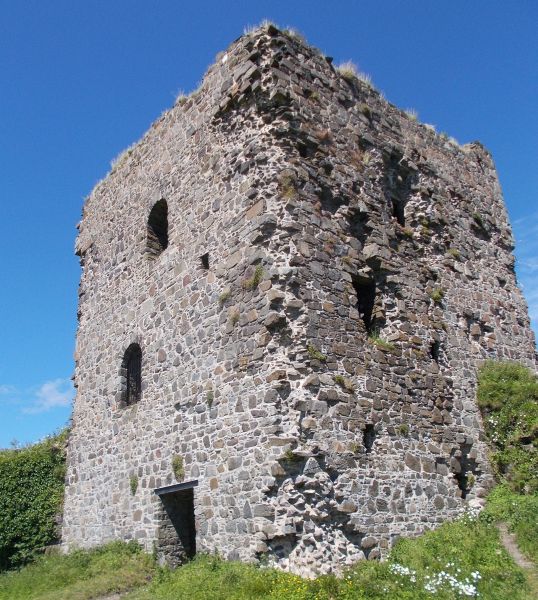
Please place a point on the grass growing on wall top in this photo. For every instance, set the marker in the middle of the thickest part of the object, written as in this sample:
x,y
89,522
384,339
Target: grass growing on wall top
x,y
31,494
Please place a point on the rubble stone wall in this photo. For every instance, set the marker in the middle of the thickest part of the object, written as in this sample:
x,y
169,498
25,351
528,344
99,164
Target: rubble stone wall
x,y
318,378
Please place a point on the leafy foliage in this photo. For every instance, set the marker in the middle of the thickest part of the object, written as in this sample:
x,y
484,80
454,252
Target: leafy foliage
x,y
31,493
508,398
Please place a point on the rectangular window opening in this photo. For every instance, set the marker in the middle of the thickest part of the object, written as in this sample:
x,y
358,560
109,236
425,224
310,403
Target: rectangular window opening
x,y
398,211
204,259
365,289
368,437
435,347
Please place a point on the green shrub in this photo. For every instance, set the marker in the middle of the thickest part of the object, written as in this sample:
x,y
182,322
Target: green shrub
x,y
508,398
133,484
315,354
255,280
210,397
223,298
31,494
178,467
479,221
437,295
403,429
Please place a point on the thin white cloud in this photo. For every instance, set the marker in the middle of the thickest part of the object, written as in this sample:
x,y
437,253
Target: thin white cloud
x,y
50,395
7,389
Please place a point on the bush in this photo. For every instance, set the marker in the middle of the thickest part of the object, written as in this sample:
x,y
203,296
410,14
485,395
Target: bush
x,y
31,494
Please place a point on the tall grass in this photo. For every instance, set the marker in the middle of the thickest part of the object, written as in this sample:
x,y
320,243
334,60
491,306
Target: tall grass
x,y
80,575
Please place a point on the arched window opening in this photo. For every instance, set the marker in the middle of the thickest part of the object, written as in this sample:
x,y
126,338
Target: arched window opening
x,y
157,240
132,374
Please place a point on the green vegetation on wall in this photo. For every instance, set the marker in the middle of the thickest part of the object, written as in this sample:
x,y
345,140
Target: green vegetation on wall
x,y
31,493
508,398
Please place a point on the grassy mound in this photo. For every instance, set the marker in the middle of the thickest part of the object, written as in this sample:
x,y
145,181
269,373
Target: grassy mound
x,y
80,575
460,559
31,493
463,559
520,513
508,398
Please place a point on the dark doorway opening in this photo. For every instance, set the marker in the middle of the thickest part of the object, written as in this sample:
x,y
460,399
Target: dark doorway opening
x,y
365,290
176,542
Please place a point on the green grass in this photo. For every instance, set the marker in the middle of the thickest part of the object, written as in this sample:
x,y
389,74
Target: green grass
x,y
459,549
375,339
80,575
508,398
520,513
437,295
255,280
441,560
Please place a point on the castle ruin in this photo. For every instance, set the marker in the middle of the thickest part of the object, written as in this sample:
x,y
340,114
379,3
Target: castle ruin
x,y
287,287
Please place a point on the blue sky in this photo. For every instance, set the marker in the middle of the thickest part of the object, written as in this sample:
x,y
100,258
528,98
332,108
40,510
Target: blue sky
x,y
81,80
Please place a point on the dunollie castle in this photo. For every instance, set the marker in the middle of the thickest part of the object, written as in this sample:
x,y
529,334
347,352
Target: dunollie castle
x,y
287,287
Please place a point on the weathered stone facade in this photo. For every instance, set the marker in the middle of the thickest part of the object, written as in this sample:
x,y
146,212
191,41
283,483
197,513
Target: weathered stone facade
x,y
333,275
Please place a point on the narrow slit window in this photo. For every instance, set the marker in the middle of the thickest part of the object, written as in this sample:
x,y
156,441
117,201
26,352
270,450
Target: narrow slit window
x,y
157,238
368,437
365,290
204,259
435,349
398,211
132,374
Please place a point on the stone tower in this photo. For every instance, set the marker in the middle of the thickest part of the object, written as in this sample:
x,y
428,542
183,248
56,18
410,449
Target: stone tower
x,y
287,287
